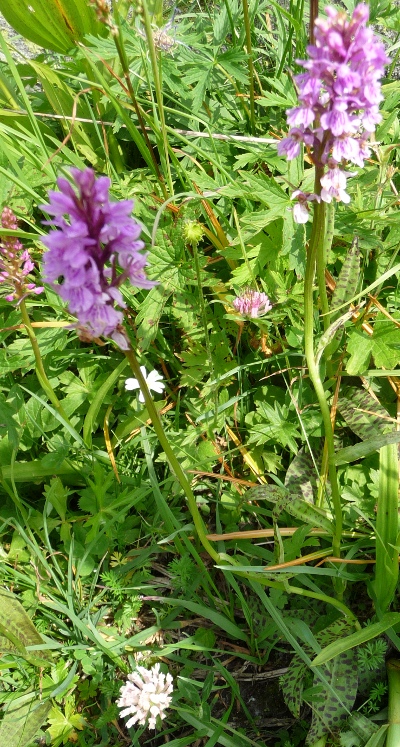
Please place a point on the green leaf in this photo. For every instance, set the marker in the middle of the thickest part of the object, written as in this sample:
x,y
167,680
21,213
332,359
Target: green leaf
x,y
363,413
301,476
294,505
351,453
94,408
54,24
17,627
387,554
7,421
360,346
22,720
355,639
292,685
348,279
329,710
209,614
57,495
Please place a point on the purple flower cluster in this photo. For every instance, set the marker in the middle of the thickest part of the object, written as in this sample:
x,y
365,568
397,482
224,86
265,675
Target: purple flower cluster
x,y
97,233
339,96
15,262
252,303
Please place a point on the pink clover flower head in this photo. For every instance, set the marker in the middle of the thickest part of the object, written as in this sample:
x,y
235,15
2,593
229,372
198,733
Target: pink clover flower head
x,y
301,212
153,380
94,248
339,92
145,696
15,262
252,303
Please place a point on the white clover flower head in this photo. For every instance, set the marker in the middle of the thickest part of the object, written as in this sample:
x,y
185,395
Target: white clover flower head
x,y
146,695
153,380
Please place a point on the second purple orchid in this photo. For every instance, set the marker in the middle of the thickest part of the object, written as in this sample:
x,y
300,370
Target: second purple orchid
x,y
339,96
94,248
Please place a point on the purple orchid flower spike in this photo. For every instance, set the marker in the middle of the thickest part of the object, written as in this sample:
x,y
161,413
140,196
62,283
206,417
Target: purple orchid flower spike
x,y
339,96
92,252
15,262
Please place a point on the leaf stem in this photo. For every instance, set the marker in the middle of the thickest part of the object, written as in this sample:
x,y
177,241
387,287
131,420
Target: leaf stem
x,y
173,460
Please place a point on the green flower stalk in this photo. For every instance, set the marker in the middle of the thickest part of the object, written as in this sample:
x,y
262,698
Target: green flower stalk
x,y
93,249
339,94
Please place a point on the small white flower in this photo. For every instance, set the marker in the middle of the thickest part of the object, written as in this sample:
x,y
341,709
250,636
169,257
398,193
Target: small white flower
x,y
153,380
146,695
301,211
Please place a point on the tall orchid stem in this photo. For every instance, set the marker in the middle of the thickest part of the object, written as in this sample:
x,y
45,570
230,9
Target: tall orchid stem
x,y
158,90
173,460
315,251
247,25
40,372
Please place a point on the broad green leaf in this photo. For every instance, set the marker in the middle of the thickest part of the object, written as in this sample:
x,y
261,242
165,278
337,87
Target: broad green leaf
x,y
22,720
348,279
387,554
18,628
292,684
362,726
351,453
54,24
383,345
363,413
301,476
360,347
329,710
297,507
355,639
35,470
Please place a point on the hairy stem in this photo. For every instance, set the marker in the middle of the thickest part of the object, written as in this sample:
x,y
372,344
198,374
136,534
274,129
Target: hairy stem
x,y
173,460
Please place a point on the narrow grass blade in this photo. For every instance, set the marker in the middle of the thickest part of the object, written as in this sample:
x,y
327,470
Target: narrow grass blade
x,y
387,554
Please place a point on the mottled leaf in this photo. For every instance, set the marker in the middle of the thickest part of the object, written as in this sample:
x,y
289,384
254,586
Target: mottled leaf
x,y
301,476
284,500
18,628
330,710
23,718
363,414
347,283
292,685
